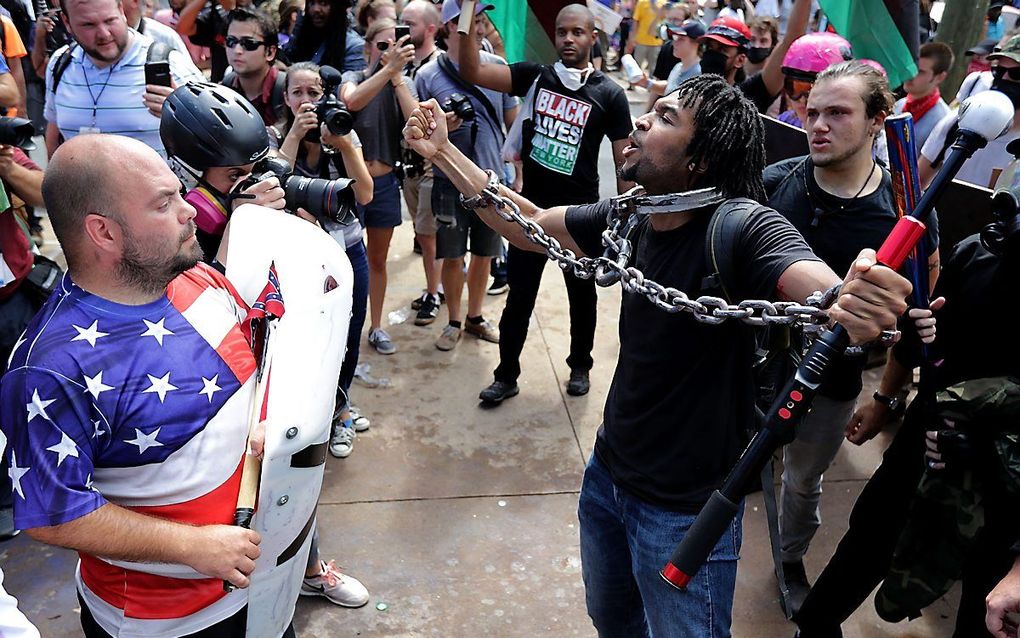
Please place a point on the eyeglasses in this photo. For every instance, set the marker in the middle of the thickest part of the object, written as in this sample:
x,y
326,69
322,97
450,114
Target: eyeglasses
x,y
797,90
1013,73
248,44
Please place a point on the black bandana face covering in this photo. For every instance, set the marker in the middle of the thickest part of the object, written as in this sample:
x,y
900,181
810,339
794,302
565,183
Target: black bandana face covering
x,y
714,62
757,55
1004,86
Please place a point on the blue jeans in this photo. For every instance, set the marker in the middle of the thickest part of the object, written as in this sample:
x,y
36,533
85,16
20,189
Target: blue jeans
x,y
624,543
359,263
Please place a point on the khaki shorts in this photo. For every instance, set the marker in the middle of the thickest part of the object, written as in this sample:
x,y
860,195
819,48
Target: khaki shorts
x,y
418,195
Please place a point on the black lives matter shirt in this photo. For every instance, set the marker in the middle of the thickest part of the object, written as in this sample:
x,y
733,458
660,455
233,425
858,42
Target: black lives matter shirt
x,y
682,396
561,141
837,229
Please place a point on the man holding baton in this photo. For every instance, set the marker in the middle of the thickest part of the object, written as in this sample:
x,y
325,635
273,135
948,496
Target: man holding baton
x,y
671,432
126,403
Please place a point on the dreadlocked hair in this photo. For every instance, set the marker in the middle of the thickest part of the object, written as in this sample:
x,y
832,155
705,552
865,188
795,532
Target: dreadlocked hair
x,y
728,138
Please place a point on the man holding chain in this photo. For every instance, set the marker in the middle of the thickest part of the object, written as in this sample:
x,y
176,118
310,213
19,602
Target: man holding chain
x,y
655,465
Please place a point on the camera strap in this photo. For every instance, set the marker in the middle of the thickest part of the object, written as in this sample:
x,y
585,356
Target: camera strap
x,y
447,67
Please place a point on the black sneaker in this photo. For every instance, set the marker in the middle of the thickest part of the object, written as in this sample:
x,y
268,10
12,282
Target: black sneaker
x,y
428,309
416,304
797,584
578,384
497,391
498,287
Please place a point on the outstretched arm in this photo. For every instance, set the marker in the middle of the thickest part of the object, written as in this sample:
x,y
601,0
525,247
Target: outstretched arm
x,y
426,133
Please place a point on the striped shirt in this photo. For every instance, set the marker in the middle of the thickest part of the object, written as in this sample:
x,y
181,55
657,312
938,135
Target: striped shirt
x,y
109,99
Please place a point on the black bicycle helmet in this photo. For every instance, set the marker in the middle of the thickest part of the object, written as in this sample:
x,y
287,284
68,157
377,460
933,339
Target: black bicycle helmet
x,y
205,125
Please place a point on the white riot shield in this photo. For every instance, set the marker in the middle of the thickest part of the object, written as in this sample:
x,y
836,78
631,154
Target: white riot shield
x,y
308,345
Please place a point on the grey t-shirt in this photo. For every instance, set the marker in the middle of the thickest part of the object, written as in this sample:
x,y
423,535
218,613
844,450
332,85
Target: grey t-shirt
x,y
923,127
486,151
679,74
380,123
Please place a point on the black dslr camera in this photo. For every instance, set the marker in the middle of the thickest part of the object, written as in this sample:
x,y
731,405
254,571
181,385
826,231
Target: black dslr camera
x,y
329,200
329,109
17,131
460,106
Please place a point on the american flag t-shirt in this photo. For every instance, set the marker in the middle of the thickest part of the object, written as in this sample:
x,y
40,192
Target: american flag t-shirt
x,y
141,406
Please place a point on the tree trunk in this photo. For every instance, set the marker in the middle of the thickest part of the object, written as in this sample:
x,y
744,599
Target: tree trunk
x,y
962,25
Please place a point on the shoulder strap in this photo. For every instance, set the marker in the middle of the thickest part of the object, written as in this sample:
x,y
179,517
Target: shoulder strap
x,y
276,95
720,245
950,137
63,60
448,68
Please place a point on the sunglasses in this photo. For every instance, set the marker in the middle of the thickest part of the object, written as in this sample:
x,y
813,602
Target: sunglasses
x,y
1001,71
797,89
248,44
382,46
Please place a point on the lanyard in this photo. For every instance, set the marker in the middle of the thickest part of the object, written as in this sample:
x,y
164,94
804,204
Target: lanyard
x,y
95,98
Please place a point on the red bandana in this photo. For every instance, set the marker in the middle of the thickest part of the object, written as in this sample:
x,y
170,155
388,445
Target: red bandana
x,y
918,108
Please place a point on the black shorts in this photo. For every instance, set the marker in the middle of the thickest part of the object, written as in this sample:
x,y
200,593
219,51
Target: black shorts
x,y
459,230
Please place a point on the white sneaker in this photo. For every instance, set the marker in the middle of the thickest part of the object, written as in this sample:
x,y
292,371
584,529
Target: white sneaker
x,y
341,443
337,588
360,421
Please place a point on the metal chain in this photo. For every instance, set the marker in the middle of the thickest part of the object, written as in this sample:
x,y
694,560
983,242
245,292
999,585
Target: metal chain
x,y
607,271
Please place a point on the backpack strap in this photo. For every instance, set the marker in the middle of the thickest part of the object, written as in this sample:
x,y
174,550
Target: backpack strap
x,y
720,246
277,94
63,61
950,138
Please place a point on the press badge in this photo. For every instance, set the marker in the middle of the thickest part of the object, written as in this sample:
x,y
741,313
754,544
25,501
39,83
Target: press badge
x,y
85,130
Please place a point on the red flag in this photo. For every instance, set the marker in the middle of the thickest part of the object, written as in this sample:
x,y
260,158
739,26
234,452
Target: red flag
x,y
269,305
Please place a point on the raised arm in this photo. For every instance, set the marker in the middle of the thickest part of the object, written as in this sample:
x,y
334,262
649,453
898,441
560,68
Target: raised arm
x,y
491,76
187,22
426,133
391,68
772,74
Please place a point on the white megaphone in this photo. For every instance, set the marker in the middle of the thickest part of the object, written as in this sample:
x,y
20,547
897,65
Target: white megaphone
x,y
982,118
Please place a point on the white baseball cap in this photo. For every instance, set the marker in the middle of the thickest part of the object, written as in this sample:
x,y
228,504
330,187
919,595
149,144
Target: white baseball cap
x,y
451,9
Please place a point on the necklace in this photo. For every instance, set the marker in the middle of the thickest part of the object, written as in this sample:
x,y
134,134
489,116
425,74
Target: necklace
x,y
821,211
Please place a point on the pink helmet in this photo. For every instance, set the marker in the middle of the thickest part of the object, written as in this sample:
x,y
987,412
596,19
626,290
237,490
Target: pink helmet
x,y
875,65
812,53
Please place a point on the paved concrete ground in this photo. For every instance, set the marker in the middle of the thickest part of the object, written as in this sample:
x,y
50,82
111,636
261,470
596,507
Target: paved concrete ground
x,y
462,519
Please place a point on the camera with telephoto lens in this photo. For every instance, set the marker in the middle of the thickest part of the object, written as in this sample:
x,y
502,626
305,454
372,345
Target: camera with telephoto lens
x,y
329,109
460,106
329,200
17,131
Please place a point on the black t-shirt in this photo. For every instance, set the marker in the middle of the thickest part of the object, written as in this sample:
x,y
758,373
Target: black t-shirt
x,y
755,90
837,229
665,61
560,142
975,338
682,399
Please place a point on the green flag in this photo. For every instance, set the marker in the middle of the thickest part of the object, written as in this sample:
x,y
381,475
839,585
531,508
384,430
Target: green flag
x,y
526,28
874,34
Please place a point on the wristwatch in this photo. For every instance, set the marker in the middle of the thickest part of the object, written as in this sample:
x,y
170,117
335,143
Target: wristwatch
x,y
893,403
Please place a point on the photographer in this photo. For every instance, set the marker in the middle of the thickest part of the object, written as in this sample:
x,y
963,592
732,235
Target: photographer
x,y
190,127
314,151
220,157
381,98
485,112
